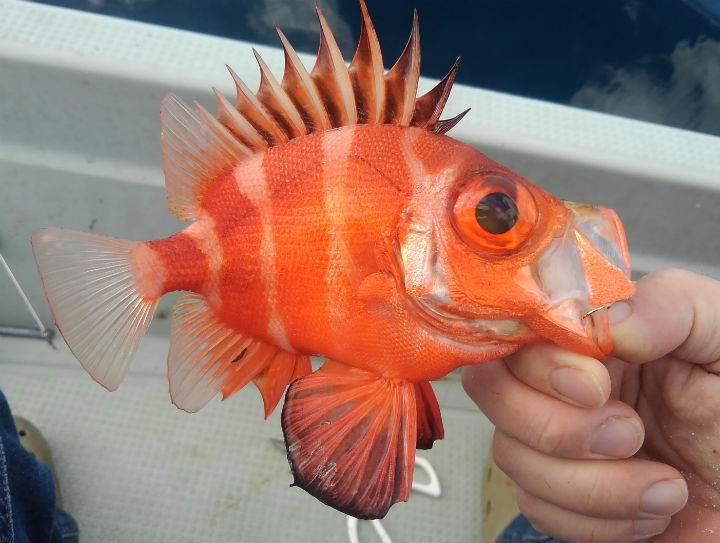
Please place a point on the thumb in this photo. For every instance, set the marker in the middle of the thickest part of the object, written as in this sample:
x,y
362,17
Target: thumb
x,y
672,311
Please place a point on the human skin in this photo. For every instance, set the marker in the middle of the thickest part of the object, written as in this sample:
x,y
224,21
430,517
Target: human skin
x,y
586,442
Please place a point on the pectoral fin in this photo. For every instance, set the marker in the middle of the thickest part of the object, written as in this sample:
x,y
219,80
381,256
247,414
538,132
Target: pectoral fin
x,y
376,291
350,436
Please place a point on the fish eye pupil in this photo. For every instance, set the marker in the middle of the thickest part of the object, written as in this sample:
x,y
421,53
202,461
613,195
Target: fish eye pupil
x,y
496,213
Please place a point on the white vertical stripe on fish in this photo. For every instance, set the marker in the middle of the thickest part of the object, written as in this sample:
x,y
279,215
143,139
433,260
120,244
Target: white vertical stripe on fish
x,y
426,274
423,181
204,235
336,144
254,185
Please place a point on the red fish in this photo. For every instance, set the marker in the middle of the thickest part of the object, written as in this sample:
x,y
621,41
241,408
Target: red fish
x,y
331,215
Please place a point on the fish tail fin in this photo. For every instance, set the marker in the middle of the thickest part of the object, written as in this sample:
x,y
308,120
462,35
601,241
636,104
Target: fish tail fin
x,y
96,301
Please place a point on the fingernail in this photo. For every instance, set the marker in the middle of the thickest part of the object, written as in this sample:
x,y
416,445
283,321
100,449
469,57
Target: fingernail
x,y
665,498
577,386
617,437
619,311
646,528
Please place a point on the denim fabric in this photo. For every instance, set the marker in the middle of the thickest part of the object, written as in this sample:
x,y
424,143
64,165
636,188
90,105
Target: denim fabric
x,y
27,494
521,531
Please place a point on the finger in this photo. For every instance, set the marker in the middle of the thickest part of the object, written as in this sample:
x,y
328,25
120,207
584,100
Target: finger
x,y
572,377
550,425
611,489
672,311
570,526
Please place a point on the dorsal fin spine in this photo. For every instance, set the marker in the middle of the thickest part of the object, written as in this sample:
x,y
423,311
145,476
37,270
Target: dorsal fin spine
x,y
330,71
234,121
274,97
231,145
401,81
301,88
368,73
444,125
430,105
249,105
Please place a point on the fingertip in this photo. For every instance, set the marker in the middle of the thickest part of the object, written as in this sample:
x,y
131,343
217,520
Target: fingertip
x,y
579,387
574,378
619,311
657,319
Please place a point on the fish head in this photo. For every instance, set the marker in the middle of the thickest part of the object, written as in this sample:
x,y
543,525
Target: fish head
x,y
485,255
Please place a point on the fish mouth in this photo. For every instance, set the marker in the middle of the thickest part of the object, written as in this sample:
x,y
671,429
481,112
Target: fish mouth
x,y
570,324
579,276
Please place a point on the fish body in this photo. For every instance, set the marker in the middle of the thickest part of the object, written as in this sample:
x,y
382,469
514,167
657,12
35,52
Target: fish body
x,y
331,215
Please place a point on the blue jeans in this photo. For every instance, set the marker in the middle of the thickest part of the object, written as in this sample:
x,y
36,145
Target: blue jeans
x,y
521,531
27,493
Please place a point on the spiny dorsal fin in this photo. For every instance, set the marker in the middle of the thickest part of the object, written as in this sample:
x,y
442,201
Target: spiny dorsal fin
x,y
333,94
197,147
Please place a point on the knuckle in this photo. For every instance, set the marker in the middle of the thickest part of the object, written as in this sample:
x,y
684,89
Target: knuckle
x,y
502,451
594,499
547,434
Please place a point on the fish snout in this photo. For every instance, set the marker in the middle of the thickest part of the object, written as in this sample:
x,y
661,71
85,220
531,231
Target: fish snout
x,y
603,250
581,273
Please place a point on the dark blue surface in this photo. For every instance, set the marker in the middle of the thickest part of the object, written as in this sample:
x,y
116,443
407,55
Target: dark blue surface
x,y
657,60
27,492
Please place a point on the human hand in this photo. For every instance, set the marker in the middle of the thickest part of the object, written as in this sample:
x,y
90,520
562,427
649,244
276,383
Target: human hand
x,y
624,450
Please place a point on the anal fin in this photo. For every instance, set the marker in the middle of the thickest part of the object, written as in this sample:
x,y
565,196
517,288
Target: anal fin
x,y
350,436
272,381
208,357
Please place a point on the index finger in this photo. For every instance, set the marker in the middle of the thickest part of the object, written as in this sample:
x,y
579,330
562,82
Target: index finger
x,y
672,311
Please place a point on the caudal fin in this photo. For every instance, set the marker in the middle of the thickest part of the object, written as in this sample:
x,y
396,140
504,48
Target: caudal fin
x,y
94,299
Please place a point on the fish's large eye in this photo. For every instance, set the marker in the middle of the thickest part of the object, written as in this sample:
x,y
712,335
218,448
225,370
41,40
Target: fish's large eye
x,y
493,213
496,213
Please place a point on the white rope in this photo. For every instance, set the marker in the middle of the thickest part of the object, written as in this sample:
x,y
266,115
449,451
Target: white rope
x,y
39,323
